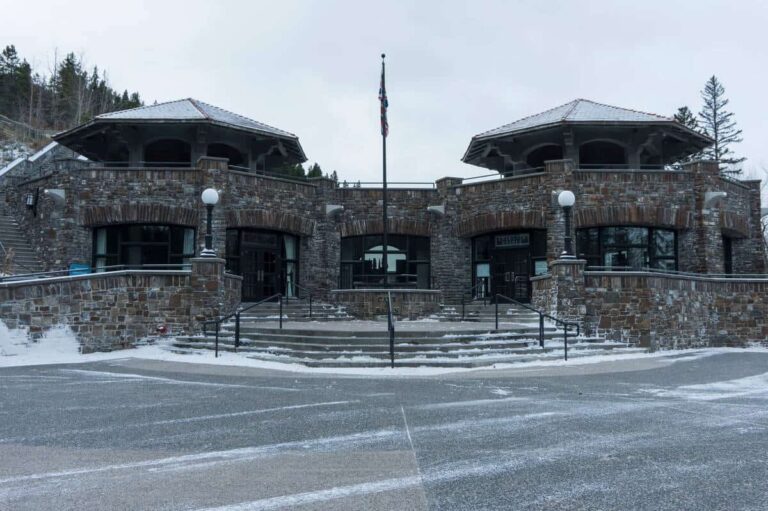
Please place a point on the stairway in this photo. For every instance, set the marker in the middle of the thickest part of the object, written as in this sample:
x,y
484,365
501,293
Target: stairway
x,y
353,344
294,309
479,311
11,237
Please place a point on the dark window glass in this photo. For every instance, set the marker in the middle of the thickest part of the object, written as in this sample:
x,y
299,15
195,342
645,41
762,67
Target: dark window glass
x,y
482,247
137,245
632,247
362,261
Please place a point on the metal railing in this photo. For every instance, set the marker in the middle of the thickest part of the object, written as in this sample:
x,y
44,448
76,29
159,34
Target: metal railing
x,y
391,330
309,296
18,277
236,315
501,175
13,263
471,293
427,185
566,324
660,271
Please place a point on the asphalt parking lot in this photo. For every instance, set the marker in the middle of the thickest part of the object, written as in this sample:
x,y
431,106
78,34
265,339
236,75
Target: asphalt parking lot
x,y
139,434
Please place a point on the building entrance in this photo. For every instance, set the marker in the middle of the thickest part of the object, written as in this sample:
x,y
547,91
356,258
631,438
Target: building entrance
x,y
267,261
504,262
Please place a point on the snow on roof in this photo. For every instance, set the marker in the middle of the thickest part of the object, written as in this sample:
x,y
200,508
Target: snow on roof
x,y
578,110
42,151
11,165
192,110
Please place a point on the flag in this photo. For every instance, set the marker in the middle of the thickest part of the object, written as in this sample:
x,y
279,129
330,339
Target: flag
x,y
384,103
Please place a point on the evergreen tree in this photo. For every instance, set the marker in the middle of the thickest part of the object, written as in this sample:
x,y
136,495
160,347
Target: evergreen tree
x,y
685,117
315,171
719,125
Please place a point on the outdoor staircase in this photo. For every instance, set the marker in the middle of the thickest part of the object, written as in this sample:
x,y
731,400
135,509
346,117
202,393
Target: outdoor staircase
x,y
432,343
485,311
11,237
294,309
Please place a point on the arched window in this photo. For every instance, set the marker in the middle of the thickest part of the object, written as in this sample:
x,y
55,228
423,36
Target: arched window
x,y
167,152
234,156
601,154
537,157
362,258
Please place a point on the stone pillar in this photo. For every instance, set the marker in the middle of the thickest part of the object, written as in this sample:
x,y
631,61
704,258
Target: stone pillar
x,y
559,178
444,184
709,236
567,290
208,291
215,175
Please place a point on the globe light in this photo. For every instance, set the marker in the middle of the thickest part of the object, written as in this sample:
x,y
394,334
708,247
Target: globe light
x,y
566,199
210,197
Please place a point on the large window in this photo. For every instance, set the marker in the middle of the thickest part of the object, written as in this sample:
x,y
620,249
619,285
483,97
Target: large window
x,y
628,247
142,245
362,260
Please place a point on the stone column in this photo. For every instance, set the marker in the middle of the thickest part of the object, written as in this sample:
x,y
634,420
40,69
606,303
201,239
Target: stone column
x,y
207,291
709,237
559,178
214,175
567,292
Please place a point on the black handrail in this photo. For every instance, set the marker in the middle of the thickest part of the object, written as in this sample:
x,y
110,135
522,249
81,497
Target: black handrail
x,y
542,315
236,315
309,296
470,292
391,330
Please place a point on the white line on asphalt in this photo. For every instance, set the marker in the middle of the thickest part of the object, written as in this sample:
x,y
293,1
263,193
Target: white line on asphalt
x,y
311,497
247,412
171,380
243,453
407,429
473,402
123,426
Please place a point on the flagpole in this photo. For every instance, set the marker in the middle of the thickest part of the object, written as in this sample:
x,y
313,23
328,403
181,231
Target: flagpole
x,y
385,259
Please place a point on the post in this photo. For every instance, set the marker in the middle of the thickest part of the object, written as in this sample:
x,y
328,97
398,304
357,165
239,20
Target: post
x,y
280,298
541,330
497,312
310,306
462,307
565,338
216,344
209,229
237,331
384,131
568,240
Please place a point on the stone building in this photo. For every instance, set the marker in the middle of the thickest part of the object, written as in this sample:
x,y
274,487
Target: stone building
x,y
136,201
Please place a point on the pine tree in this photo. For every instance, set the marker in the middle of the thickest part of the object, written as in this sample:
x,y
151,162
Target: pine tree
x,y
719,125
685,117
315,171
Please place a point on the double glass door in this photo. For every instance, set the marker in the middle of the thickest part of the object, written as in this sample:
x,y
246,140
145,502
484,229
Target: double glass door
x,y
510,272
261,272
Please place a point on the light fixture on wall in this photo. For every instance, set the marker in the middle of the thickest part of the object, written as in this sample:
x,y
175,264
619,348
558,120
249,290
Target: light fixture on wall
x,y
566,200
210,198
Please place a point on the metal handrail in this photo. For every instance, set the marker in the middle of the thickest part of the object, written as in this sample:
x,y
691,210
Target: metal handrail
x,y
391,330
470,292
680,273
236,315
351,185
15,263
542,315
309,296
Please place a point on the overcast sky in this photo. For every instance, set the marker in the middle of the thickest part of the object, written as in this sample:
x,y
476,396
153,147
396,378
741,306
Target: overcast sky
x,y
454,69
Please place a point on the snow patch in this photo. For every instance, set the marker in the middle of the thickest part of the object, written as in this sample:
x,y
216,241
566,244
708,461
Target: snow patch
x,y
739,387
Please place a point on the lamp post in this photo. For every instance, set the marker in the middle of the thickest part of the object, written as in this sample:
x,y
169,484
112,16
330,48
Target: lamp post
x,y
210,198
566,199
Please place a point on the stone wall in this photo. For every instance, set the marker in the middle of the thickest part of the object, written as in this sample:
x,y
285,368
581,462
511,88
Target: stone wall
x,y
114,310
658,310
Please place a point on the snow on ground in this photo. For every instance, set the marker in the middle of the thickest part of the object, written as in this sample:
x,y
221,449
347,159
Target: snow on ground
x,y
59,346
740,387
